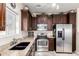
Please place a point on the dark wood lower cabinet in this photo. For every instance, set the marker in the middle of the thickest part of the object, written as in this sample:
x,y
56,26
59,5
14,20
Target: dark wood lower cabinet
x,y
51,44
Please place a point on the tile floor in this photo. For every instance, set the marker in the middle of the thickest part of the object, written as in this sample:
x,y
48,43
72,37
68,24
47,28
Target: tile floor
x,y
53,53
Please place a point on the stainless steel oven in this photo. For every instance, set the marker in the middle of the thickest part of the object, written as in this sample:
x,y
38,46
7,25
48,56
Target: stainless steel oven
x,y
42,44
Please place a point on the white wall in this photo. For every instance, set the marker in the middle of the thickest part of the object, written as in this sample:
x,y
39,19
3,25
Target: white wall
x,y
5,38
77,31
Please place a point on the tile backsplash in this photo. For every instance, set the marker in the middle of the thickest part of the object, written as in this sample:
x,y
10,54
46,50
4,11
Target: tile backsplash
x,y
48,33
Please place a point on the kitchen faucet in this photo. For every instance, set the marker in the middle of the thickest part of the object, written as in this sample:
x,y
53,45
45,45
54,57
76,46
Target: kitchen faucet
x,y
13,42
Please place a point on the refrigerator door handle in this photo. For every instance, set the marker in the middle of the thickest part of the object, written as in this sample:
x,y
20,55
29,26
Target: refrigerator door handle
x,y
63,34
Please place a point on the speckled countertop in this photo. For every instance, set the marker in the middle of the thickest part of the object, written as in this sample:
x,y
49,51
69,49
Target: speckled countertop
x,y
51,36
7,52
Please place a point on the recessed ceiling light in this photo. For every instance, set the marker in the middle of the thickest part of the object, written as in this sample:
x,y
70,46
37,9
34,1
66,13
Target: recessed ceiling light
x,y
57,7
54,4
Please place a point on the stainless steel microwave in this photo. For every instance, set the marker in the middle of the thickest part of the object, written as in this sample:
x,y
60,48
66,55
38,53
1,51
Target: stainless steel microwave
x,y
41,26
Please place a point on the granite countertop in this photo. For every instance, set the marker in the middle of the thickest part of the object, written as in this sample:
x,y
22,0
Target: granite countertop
x,y
7,52
51,36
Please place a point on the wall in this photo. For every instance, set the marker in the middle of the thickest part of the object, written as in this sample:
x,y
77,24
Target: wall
x,y
77,31
5,38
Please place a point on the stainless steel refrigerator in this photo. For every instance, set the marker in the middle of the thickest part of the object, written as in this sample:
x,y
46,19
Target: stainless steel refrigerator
x,y
64,38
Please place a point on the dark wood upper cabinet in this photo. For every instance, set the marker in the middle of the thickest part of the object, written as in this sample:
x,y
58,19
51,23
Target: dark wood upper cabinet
x,y
49,22
72,18
29,21
24,20
42,19
59,19
55,19
34,23
63,18
2,17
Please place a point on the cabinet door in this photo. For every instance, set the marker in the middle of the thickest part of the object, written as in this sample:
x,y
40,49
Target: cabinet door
x,y
56,19
49,21
34,23
51,44
24,20
63,19
72,20
41,19
29,21
2,16
59,19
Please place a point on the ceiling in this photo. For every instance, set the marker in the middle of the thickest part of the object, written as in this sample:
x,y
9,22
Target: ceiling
x,y
48,9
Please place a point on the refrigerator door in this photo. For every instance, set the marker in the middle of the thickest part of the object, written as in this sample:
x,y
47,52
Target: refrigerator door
x,y
64,38
59,36
68,37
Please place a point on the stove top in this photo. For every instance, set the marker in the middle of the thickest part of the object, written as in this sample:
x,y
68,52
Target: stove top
x,y
42,37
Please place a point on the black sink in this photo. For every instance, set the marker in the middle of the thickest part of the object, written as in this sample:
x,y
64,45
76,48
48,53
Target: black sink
x,y
20,46
23,44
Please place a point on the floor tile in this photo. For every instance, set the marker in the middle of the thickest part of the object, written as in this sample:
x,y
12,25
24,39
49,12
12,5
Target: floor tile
x,y
53,53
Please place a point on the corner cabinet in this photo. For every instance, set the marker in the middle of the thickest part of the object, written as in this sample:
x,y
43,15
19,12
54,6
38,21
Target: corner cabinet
x,y
2,16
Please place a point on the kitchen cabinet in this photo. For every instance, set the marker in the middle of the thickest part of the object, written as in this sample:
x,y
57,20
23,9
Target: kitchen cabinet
x,y
56,19
2,16
42,19
49,22
45,19
51,44
63,18
72,20
59,19
31,51
29,21
25,20
34,23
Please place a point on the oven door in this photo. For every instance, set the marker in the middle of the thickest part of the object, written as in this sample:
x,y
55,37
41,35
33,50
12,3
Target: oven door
x,y
42,45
